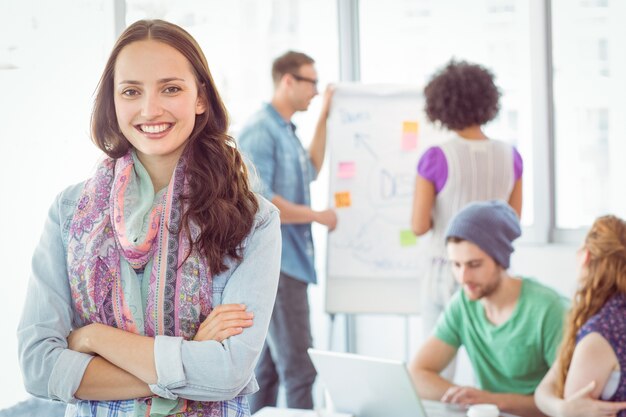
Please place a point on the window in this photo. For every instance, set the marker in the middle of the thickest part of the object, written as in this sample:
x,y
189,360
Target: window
x,y
426,34
241,38
49,68
589,78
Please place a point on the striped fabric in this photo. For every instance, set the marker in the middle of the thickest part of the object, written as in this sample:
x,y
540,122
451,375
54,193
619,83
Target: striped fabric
x,y
478,170
237,407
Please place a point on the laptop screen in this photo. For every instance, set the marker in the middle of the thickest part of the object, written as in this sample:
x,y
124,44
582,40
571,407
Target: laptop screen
x,y
367,387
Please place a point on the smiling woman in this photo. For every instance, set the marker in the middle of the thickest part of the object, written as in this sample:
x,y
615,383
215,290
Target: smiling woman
x,y
157,114
145,295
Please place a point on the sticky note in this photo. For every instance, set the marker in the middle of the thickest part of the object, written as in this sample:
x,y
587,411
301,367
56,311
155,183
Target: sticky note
x,y
407,238
346,170
409,135
409,141
410,127
342,199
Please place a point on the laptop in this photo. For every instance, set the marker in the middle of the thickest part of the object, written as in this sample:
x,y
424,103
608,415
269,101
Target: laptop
x,y
373,387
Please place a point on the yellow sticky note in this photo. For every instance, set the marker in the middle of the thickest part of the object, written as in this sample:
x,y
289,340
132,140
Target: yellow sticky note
x,y
407,238
410,127
342,199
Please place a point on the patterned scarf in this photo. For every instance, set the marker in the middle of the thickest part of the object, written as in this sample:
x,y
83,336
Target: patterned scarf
x,y
118,223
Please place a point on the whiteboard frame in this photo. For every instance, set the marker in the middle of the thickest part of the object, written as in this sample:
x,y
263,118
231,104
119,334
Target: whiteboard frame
x,y
369,295
368,292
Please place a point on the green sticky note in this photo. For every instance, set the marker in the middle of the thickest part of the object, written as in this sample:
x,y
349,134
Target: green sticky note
x,y
407,238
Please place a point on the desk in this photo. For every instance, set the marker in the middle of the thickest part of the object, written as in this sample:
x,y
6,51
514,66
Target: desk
x,y
437,409
433,409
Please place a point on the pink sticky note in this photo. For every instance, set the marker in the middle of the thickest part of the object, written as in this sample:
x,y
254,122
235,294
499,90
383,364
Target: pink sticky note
x,y
409,141
346,170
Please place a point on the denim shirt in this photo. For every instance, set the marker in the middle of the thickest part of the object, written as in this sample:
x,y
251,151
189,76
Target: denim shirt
x,y
284,168
202,371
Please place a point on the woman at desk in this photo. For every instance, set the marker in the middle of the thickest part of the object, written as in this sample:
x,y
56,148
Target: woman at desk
x,y
592,360
462,97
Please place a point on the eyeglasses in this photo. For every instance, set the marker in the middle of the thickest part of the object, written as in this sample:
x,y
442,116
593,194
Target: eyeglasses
x,y
306,79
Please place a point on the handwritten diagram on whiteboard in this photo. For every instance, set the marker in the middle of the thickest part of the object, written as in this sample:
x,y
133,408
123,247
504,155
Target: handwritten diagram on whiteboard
x,y
375,137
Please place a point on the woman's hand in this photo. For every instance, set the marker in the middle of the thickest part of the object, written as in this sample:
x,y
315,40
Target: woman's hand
x,y
225,320
580,404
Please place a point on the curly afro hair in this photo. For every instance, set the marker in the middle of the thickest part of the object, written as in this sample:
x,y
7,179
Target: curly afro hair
x,y
462,95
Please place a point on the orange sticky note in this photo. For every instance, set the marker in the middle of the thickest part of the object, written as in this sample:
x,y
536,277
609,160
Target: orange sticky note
x,y
410,127
342,199
346,169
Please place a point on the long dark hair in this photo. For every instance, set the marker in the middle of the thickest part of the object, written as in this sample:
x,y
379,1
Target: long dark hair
x,y
219,199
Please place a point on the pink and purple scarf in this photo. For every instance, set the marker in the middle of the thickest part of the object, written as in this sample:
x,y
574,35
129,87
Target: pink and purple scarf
x,y
179,294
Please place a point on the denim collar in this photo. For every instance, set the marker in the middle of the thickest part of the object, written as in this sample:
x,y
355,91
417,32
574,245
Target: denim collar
x,y
277,117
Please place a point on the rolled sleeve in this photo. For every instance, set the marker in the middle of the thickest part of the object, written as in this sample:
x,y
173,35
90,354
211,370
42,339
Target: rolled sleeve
x,y
313,172
49,368
168,360
211,371
64,379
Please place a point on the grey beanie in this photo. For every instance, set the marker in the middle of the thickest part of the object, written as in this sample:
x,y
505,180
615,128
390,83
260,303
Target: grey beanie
x,y
491,225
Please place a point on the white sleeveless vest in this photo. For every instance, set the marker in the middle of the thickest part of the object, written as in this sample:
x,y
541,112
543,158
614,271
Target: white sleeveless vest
x,y
478,170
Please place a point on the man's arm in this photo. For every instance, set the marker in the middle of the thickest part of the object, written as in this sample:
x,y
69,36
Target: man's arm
x,y
317,149
431,359
298,213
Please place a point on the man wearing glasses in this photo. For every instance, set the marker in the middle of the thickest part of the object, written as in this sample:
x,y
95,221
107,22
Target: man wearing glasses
x,y
285,170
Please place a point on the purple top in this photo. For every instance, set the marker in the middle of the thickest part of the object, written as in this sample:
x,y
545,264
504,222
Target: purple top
x,y
610,323
434,167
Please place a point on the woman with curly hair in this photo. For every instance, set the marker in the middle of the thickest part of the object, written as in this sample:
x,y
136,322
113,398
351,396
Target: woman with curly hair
x,y
461,97
592,359
154,281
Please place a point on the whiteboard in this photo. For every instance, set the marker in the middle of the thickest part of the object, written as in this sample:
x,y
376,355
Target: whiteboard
x,y
375,135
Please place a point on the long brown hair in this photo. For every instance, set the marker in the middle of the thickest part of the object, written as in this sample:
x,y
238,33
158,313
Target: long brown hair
x,y
603,276
219,199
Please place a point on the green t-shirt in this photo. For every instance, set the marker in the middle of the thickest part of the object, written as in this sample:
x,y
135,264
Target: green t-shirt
x,y
514,356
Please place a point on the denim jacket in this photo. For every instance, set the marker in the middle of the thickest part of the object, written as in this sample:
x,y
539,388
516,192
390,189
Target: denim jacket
x,y
284,167
202,371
